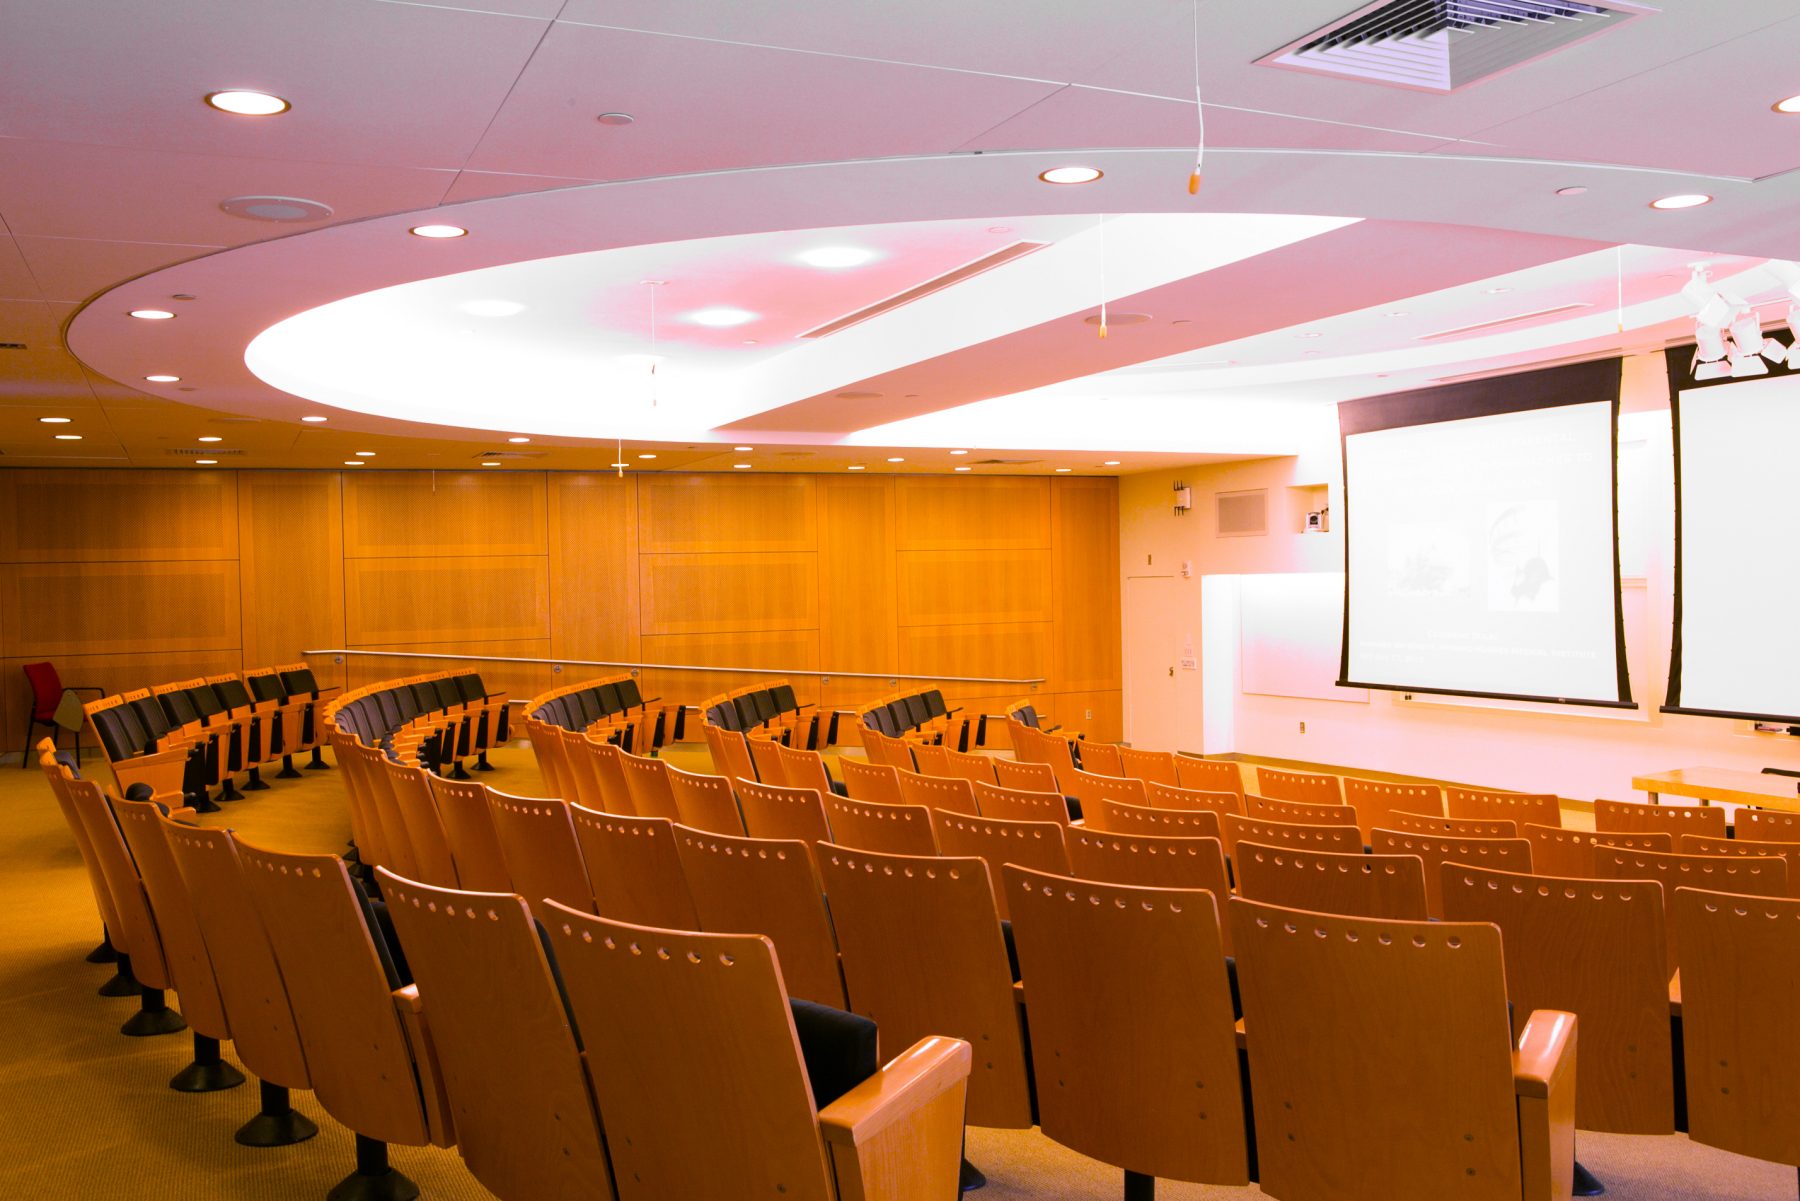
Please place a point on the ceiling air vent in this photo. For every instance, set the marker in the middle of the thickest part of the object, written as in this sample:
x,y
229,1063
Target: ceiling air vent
x,y
202,452
1005,462
510,454
1241,514
1442,45
938,283
12,346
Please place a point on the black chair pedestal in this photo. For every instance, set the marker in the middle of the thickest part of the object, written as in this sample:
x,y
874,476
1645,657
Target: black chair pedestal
x,y
208,1073
1139,1187
229,791
318,761
373,1179
123,983
255,783
277,1125
288,771
481,762
153,1017
1586,1183
104,953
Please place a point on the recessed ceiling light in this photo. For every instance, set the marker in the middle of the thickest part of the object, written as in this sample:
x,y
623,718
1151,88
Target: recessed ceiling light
x,y
490,462
749,341
1310,334
1791,105
437,231
491,308
896,460
365,454
720,317
615,119
743,450
836,256
854,467
518,439
1395,313
206,462
612,464
354,463
965,469
1063,469
243,103
1687,200
646,455
959,452
163,379
1497,291
1070,175
209,438
740,466
55,420
999,229
153,314
1577,190
1110,463
314,419
68,437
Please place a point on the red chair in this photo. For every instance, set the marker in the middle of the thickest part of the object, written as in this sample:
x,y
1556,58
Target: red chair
x,y
47,691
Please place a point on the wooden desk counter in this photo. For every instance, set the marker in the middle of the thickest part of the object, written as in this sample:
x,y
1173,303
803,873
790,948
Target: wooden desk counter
x,y
1736,787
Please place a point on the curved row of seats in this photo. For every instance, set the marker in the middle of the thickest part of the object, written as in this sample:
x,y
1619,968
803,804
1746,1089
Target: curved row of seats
x,y
444,716
614,705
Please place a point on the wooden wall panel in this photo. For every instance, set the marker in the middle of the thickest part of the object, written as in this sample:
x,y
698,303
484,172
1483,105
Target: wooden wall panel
x,y
115,673
1013,652
934,512
856,574
390,602
58,609
115,516
689,514
1070,711
784,649
966,587
519,680
291,547
594,566
722,593
389,514
1085,521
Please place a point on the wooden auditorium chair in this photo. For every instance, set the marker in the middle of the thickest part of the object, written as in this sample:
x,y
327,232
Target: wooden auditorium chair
x,y
463,808
1313,788
765,753
704,803
411,790
730,752
1151,861
788,813
975,768
1376,802
58,773
806,769
582,785
634,871
1390,887
1100,758
1767,825
1170,796
607,761
1537,808
1037,845
879,782
366,830
1306,813
1454,827
542,855
1113,817
1696,844
1754,877
1340,838
1020,804
1501,854
298,680
1631,817
1556,851
951,793
1209,775
1152,767
888,829
1026,777
135,758
1091,789
648,782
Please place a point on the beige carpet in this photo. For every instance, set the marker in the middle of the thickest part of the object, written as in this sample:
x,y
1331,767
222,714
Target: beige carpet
x,y
86,1112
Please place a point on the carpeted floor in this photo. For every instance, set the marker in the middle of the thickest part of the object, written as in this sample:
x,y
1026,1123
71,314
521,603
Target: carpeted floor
x,y
86,1112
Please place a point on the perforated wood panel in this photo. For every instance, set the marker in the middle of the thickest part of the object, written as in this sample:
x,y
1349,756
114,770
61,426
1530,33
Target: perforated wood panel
x,y
696,513
98,516
935,513
476,599
961,587
433,513
723,593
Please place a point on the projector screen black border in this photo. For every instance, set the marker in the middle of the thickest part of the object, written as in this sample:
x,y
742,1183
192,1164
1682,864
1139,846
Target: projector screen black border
x,y
1678,361
1591,382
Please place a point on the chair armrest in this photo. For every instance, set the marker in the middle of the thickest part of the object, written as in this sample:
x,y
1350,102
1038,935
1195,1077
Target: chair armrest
x,y
183,814
1546,1053
1675,994
411,1009
898,1135
905,1085
1544,1082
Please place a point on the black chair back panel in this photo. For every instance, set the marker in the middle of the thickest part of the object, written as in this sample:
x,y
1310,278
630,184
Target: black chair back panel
x,y
629,695
300,681
607,697
267,688
206,701
233,694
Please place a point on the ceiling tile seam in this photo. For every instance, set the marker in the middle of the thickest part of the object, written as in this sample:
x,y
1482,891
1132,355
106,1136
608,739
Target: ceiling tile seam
x,y
354,164
1426,155
87,377
6,232
1011,117
465,8
1269,112
122,242
512,87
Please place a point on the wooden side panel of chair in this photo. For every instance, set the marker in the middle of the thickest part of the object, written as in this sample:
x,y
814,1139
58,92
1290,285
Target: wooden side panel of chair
x,y
1630,817
955,795
876,782
704,803
609,773
804,769
1168,796
1537,808
396,838
504,1042
1501,854
1152,767
537,841
1598,949
411,789
1768,825
648,781
977,769
178,931
788,813
1762,876
582,783
634,870
1376,801
765,753
364,1070
768,887
1694,844
1389,887
887,829
365,823
1454,827
1014,804
1366,1028
1209,775
264,1035
698,1068
1311,787
137,934
1112,817
730,752
1131,1017
59,780
1026,777
1151,861
1344,839
1101,759
923,955
1037,845
1740,1017
546,744
1274,809
462,807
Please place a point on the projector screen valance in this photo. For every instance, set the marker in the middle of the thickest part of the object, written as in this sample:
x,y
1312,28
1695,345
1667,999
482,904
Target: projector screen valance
x,y
1736,649
1481,539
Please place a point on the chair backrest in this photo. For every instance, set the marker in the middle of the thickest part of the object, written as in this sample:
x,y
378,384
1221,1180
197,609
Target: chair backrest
x,y
1014,804
581,772
766,754
1090,789
704,803
1131,1016
872,826
977,769
1376,801
923,955
537,841
1695,844
1598,949
895,752
1630,817
1740,1021
59,778
1113,817
955,795
1767,825
137,934
933,760
184,946
648,781
1757,876
1152,767
879,782
365,819
1411,1034
396,839
424,829
462,807
1022,776
731,756
634,870
1311,787
46,690
1346,839
1391,887
769,887
1454,827
803,769
1168,796
264,1035
1100,758
1538,808
1556,851
792,813
1501,854
1209,775
340,987
1274,809
547,747
609,773
996,841
698,1068
503,1039
1150,861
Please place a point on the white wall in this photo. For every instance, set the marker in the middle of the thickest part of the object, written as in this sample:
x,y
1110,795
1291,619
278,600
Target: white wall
x,y
1570,750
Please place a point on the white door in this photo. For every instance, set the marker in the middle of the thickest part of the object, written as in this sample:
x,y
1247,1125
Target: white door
x,y
1153,629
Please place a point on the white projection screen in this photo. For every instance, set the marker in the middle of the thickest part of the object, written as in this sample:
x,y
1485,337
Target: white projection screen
x,y
1481,539
1736,649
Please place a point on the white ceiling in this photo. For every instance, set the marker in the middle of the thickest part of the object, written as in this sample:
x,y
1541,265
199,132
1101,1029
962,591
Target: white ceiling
x,y
759,119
